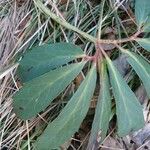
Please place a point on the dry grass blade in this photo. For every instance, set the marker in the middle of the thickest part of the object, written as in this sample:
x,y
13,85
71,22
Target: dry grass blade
x,y
23,25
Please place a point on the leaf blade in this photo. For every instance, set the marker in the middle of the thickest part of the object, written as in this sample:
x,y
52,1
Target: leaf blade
x,y
144,42
39,92
141,67
142,14
43,58
128,109
102,113
68,122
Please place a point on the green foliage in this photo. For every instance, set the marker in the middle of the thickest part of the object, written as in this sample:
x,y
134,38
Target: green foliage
x,y
142,14
141,67
42,59
129,111
102,113
47,70
37,94
69,120
145,43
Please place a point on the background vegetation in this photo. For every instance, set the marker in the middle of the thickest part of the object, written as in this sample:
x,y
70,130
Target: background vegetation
x,y
23,26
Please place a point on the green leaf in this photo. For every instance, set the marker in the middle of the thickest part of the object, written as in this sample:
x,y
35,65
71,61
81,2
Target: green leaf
x,y
37,94
43,58
69,120
128,109
102,113
141,67
142,14
144,42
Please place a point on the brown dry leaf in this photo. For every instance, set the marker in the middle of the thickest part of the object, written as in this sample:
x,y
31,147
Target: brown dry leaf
x,y
62,2
127,143
121,64
141,94
110,34
21,26
19,84
78,80
144,100
107,47
141,136
93,102
111,143
108,30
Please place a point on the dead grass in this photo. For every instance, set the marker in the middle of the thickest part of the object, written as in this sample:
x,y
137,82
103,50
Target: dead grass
x,y
22,25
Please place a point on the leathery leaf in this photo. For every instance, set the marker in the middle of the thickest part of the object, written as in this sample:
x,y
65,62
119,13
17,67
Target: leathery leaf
x,y
142,68
103,111
44,58
69,120
37,94
128,109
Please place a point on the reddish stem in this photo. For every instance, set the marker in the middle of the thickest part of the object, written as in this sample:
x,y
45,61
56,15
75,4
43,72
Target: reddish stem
x,y
132,38
99,49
